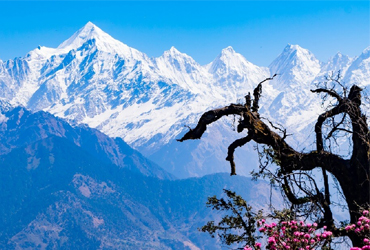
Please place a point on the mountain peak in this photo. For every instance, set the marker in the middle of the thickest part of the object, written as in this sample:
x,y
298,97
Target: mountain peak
x,y
89,31
173,51
338,62
229,56
233,66
366,51
295,52
228,50
295,49
295,64
340,56
89,25
103,42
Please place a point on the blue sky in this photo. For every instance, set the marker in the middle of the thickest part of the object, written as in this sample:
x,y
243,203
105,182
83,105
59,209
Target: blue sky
x,y
259,30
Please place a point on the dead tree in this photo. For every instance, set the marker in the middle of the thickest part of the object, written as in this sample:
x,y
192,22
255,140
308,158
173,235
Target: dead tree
x,y
351,173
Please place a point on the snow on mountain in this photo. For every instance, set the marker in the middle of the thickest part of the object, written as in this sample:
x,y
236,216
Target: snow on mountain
x,y
234,74
291,103
94,79
295,66
183,70
359,71
339,62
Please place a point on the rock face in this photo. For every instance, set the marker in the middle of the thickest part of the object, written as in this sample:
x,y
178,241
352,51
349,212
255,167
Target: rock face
x,y
66,187
93,79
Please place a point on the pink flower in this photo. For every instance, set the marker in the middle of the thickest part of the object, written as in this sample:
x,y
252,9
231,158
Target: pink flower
x,y
365,212
258,244
247,248
271,240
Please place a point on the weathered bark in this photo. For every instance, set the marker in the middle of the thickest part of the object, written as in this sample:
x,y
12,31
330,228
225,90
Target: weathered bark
x,y
352,174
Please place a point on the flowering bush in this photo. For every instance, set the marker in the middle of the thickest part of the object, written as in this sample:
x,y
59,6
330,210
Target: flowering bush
x,y
296,235
241,224
362,228
292,235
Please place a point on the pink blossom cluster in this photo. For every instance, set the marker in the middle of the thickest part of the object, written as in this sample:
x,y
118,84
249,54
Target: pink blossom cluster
x,y
291,235
296,235
362,227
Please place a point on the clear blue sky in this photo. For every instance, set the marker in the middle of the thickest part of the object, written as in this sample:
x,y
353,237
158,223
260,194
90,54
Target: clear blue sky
x,y
258,30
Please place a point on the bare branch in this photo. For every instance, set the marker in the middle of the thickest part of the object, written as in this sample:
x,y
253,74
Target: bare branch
x,y
318,126
210,117
248,101
230,153
329,92
281,129
336,127
257,92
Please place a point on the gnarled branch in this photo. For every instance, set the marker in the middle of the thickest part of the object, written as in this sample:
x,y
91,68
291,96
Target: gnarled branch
x,y
230,153
329,92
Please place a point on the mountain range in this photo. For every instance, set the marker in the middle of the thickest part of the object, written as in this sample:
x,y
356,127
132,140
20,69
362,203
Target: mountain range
x,y
65,187
93,79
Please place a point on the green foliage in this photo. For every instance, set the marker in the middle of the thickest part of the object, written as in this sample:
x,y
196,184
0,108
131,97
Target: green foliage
x,y
239,226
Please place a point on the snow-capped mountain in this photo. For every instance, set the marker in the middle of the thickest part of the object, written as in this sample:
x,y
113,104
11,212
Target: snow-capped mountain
x,y
290,101
338,62
233,74
296,66
359,70
95,79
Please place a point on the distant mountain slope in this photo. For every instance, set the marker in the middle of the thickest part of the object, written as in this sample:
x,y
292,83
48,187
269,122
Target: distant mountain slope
x,y
55,195
93,79
21,128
